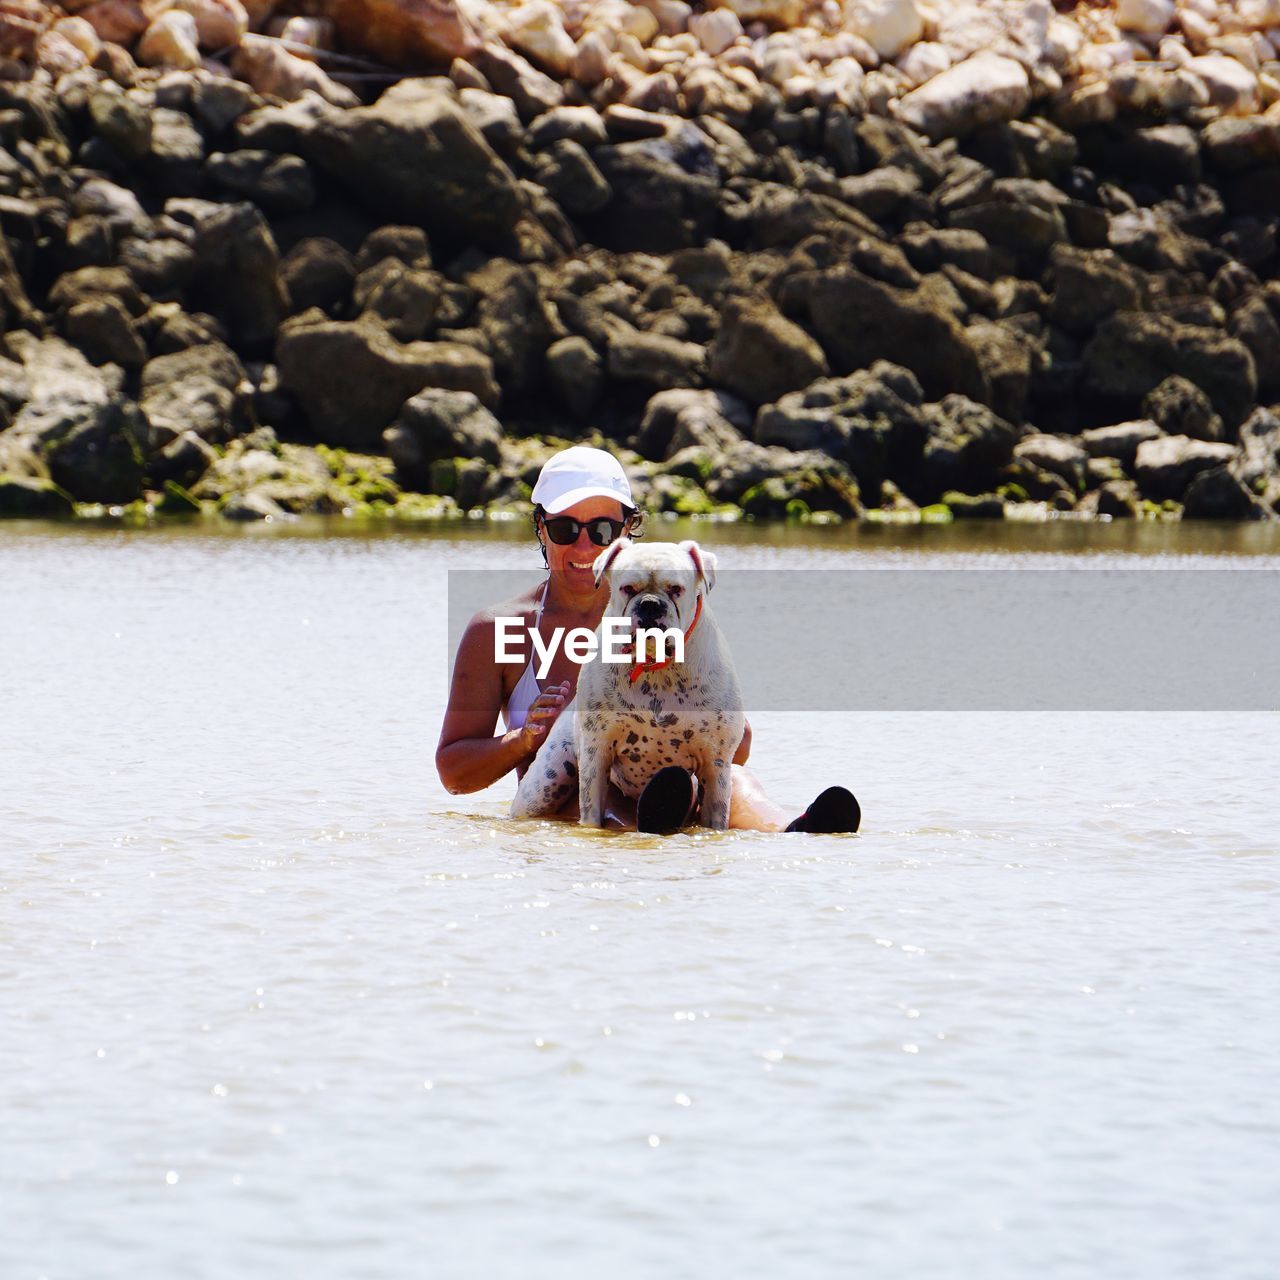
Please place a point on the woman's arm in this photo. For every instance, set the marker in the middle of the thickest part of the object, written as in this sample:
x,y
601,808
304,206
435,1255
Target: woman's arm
x,y
744,747
469,757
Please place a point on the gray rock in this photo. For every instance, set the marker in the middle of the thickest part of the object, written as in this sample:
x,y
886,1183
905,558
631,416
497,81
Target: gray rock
x,y
682,419
871,420
117,205
510,314
859,320
1165,467
88,283
1131,353
405,300
1252,322
405,244
1007,357
239,273
162,267
652,360
196,389
760,355
218,103
180,330
103,329
1089,285
183,460
968,445
177,147
1118,499
285,128
1259,461
88,436
277,183
1179,408
583,125
1120,441
252,505
1025,231
32,498
659,205
415,154
1056,454
1217,494
318,272
880,193
577,374
440,424
932,248
351,378
123,122
572,179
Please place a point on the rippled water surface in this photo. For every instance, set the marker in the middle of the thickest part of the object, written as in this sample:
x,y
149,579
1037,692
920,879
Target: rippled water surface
x,y
273,1003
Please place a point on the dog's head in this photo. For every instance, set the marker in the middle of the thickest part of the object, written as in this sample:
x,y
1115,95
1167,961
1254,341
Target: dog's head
x,y
655,584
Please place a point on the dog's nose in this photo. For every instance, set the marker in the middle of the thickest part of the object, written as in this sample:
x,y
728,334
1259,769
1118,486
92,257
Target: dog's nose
x,y
650,609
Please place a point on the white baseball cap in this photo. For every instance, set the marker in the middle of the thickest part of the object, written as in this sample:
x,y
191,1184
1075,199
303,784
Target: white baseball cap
x,y
580,472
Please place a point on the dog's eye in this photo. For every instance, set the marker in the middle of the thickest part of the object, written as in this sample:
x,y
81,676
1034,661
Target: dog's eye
x,y
628,590
677,592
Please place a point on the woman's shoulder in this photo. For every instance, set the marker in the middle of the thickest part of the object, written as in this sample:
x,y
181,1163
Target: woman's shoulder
x,y
522,605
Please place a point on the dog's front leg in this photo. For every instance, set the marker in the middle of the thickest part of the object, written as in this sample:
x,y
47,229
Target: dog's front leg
x,y
593,781
716,781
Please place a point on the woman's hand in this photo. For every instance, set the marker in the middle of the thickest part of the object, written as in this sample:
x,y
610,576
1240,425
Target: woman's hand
x,y
543,712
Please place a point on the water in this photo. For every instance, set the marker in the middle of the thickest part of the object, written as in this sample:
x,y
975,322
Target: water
x,y
273,1003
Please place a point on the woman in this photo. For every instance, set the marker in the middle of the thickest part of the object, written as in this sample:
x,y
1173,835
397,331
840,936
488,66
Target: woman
x,y
582,503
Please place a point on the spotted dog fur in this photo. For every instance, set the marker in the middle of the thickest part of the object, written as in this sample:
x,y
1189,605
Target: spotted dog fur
x,y
687,714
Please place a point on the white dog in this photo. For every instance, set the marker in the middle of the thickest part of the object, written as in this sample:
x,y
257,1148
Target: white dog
x,y
631,719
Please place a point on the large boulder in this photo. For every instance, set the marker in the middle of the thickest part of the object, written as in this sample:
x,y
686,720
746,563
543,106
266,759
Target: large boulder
x,y
683,418
872,420
576,372
1058,455
1179,408
85,434
351,378
238,278
859,320
32,498
1165,467
978,91
760,355
1120,440
968,445
1133,352
653,361
1089,285
665,193
1259,462
199,389
416,155
404,33
1218,494
510,314
438,424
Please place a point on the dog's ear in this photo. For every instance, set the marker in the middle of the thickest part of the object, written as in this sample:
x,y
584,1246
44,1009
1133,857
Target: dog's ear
x,y
607,557
704,562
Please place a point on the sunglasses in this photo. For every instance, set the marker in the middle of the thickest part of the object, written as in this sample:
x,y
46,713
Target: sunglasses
x,y
564,530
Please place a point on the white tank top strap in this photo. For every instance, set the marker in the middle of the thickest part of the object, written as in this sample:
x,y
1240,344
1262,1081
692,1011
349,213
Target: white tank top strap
x,y
517,709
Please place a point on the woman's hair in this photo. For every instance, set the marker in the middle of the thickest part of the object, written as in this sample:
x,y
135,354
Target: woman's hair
x,y
628,513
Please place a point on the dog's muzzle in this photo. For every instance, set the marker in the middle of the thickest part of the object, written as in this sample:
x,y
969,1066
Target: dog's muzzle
x,y
650,611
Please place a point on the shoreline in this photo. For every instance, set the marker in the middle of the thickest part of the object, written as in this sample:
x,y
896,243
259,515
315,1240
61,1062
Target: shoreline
x,y
1025,277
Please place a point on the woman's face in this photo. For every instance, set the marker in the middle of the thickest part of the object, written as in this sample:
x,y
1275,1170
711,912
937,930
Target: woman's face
x,y
574,563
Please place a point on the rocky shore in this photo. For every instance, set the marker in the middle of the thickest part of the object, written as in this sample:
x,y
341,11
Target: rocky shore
x,y
881,259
